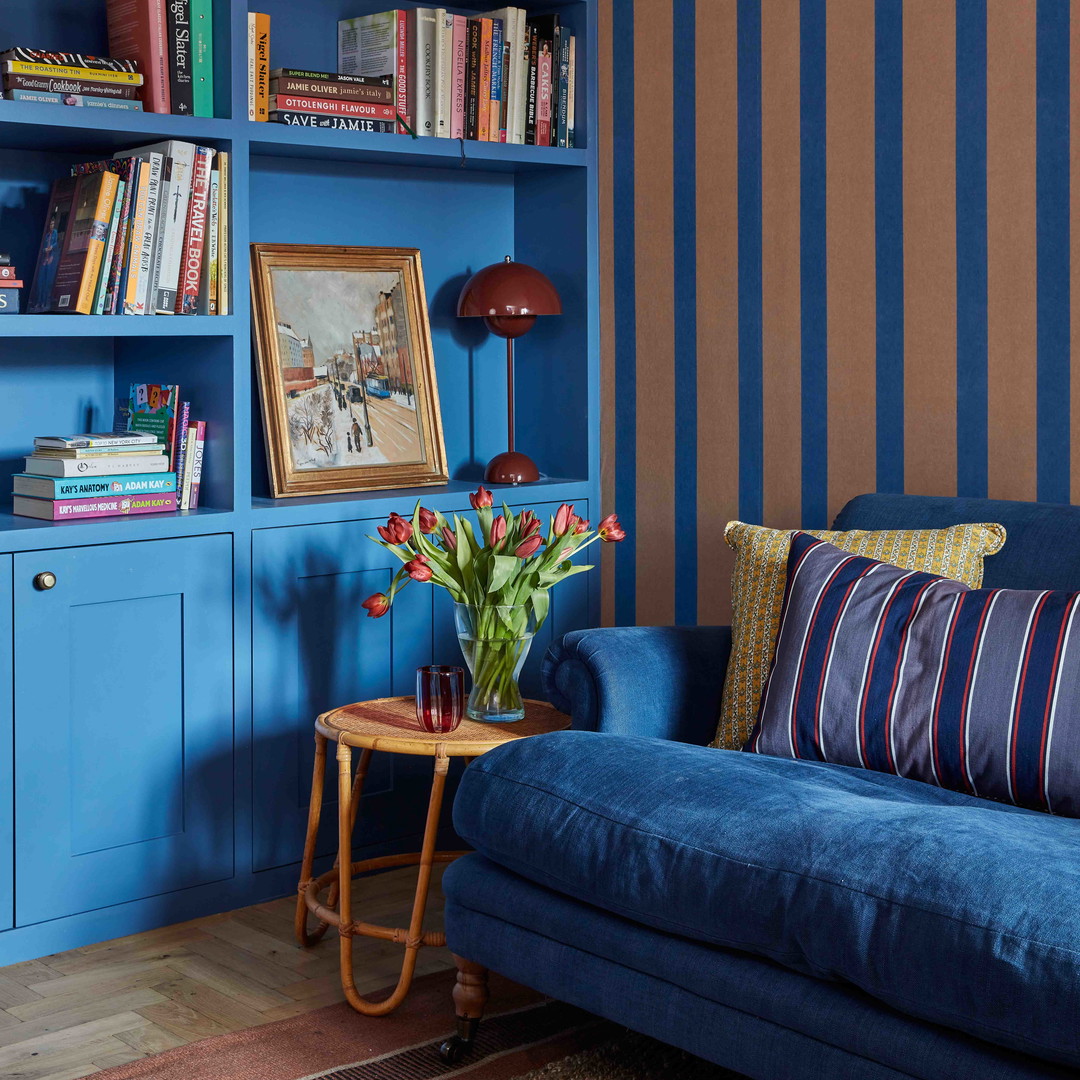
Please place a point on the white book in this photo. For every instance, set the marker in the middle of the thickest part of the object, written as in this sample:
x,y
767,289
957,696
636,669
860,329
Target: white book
x,y
444,62
251,64
142,247
102,466
513,20
423,64
96,438
184,483
174,215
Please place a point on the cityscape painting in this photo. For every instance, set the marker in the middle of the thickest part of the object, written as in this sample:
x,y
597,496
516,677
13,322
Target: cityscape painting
x,y
346,371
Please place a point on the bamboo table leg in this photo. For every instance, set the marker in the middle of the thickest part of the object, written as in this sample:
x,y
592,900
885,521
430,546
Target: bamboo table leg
x,y
314,813
414,938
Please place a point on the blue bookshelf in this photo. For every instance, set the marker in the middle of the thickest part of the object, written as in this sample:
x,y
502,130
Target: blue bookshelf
x,y
250,593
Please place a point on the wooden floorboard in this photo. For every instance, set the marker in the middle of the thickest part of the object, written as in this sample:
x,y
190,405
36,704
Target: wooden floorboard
x,y
86,1010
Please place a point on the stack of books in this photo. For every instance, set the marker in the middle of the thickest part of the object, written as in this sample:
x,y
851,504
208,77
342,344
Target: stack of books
x,y
151,464
9,286
144,233
101,82
172,42
499,77
95,475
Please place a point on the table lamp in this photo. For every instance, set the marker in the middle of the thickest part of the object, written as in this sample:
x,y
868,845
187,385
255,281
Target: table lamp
x,y
508,296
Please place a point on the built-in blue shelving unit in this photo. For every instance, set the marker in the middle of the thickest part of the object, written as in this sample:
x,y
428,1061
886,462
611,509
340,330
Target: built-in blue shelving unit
x,y
251,593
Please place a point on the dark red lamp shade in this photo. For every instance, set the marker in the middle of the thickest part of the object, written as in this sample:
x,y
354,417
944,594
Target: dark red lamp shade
x,y
508,296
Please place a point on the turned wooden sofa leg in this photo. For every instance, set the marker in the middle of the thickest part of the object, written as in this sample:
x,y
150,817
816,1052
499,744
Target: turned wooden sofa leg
x,y
470,997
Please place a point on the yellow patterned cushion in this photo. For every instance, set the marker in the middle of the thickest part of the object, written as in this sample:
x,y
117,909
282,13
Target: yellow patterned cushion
x,y
757,593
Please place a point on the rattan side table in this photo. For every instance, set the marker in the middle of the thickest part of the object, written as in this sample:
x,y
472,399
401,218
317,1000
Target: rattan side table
x,y
389,726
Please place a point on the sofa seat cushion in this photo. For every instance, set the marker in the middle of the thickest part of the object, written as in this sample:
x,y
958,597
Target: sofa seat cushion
x,y
948,907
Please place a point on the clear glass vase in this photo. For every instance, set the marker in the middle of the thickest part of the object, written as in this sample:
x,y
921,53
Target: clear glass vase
x,y
495,642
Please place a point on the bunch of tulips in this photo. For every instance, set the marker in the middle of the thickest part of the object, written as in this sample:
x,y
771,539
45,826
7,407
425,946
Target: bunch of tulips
x,y
508,563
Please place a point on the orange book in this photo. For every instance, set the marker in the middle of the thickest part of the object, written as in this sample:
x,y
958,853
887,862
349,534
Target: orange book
x,y
96,238
484,97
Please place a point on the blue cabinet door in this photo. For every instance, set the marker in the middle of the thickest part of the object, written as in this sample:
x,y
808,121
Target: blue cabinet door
x,y
123,723
7,833
314,649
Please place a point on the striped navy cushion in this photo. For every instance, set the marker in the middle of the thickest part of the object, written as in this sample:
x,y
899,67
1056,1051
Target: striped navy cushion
x,y
976,690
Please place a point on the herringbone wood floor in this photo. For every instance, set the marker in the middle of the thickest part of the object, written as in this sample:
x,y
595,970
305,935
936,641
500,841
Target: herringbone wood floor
x,y
75,1013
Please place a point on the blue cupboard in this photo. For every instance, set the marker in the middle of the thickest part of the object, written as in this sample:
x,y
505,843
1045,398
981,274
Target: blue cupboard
x,y
156,703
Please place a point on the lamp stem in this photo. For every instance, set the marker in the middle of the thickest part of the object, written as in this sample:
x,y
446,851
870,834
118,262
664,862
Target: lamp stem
x,y
510,394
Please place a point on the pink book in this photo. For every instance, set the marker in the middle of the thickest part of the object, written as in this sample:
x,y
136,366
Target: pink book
x,y
457,77
197,463
109,506
137,32
543,95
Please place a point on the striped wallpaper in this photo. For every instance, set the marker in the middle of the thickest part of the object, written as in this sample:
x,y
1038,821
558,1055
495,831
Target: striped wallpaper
x,y
836,258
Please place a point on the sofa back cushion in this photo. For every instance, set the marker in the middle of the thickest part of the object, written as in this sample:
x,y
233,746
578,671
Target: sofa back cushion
x,y
976,690
1043,551
757,592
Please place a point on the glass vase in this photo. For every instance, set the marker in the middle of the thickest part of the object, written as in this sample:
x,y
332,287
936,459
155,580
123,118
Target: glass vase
x,y
495,641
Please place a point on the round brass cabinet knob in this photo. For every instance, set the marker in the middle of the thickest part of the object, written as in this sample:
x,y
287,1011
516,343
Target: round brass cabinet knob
x,y
45,580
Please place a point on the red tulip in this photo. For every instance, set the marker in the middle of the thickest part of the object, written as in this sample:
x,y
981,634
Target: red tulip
x,y
529,547
418,569
526,516
480,498
377,605
531,527
428,520
396,530
449,539
563,518
498,531
582,526
610,531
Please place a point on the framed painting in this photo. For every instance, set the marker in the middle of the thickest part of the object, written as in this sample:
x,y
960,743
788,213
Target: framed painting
x,y
346,372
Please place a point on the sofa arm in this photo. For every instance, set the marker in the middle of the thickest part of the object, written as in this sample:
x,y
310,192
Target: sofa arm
x,y
660,681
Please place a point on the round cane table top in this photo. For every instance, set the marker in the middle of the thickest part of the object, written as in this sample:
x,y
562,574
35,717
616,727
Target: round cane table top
x,y
390,725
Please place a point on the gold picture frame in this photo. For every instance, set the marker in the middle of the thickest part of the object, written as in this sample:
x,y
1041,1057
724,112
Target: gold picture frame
x,y
349,397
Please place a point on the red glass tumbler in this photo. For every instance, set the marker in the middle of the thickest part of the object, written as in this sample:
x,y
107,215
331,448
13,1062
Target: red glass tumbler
x,y
440,697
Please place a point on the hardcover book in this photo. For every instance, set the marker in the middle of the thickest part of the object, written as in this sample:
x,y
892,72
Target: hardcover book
x,y
187,297
326,88
137,30
19,67
85,100
458,75
202,56
108,465
76,278
341,123
109,506
181,85
52,244
62,59
92,487
223,232
366,109
377,45
49,84
385,82
95,438
153,408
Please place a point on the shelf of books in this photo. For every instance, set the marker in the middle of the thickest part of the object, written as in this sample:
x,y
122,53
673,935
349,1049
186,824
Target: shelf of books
x,y
166,136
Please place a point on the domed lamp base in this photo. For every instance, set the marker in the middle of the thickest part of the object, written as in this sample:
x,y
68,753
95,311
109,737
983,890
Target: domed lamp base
x,y
511,468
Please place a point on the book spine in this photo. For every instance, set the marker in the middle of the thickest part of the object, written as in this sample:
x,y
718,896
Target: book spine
x,y
208,293
562,112
495,93
287,103
184,478
137,30
459,77
483,94
571,92
384,82
530,104
223,233
445,46
472,86
137,233
110,250
543,95
339,123
55,59
181,89
113,291
403,90
521,80
197,465
252,26
112,506
84,100
262,66
49,85
504,104
20,67
149,240
182,437
95,248
8,273
160,219
187,298
378,95
94,467
425,62
176,215
61,487
202,56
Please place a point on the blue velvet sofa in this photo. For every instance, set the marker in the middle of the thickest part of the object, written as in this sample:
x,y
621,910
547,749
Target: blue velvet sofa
x,y
786,919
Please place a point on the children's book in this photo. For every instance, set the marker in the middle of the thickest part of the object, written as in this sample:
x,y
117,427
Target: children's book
x,y
153,408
